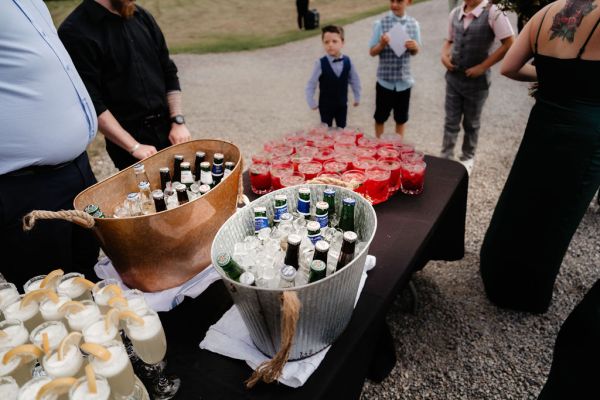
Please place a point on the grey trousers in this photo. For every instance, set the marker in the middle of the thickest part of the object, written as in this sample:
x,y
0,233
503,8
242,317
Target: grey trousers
x,y
465,104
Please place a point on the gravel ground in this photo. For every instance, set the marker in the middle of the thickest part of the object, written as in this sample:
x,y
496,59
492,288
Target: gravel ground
x,y
457,345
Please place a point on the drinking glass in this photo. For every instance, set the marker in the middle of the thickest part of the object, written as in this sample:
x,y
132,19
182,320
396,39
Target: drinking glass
x,y
51,311
345,158
324,154
136,301
333,175
415,156
393,165
30,314
71,363
298,159
390,141
363,163
365,151
70,285
405,148
310,169
275,160
150,344
117,370
9,389
260,178
335,166
326,142
20,371
387,152
367,141
269,145
81,391
413,177
345,139
344,148
15,333
295,140
30,388
309,151
296,178
8,293
282,150
103,291
33,284
55,330
261,158
377,184
278,171
100,332
79,318
356,177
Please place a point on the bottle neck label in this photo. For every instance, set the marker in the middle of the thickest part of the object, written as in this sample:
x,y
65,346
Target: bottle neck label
x,y
217,169
315,237
279,211
260,223
303,206
187,178
323,220
206,178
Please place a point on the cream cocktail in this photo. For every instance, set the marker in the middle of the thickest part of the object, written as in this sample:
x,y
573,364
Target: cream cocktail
x,y
75,286
148,338
112,362
13,333
80,314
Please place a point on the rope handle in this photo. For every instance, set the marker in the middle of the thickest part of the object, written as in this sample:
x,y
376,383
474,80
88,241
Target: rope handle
x,y
337,182
78,217
270,371
241,197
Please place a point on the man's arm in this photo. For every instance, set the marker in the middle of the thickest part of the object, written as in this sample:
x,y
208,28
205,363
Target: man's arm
x,y
446,59
491,60
311,86
378,40
178,133
110,127
354,82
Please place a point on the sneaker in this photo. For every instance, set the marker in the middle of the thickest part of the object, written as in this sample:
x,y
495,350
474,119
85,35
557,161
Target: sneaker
x,y
468,164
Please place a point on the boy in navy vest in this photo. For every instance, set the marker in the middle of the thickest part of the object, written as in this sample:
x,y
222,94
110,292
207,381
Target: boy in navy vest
x,y
394,79
471,31
333,73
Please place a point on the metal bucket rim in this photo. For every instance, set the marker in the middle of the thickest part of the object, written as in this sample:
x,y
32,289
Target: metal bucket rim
x,y
280,290
237,166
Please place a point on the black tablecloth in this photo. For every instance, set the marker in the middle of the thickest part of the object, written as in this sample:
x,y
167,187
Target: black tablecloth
x,y
411,231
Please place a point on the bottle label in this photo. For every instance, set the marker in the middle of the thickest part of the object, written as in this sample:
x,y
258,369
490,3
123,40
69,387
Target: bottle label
x,y
187,178
260,223
206,178
303,206
217,169
226,173
315,238
279,211
323,220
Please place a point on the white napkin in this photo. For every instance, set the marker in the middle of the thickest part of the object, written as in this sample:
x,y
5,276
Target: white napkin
x,y
230,337
167,299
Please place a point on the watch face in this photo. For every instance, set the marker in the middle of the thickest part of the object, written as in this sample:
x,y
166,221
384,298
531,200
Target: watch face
x,y
178,119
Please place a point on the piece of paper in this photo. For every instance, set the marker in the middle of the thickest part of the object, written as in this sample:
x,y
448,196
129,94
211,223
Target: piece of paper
x,y
398,38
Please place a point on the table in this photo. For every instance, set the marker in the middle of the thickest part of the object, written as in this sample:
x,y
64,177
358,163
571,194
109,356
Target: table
x,y
411,231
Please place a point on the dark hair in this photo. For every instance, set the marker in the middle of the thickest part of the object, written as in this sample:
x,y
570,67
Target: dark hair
x,y
332,29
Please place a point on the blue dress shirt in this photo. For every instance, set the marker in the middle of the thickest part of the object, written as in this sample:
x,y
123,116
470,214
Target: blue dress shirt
x,y
313,82
46,114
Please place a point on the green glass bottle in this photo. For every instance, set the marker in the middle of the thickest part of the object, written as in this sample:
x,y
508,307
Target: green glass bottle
x,y
347,217
231,268
318,270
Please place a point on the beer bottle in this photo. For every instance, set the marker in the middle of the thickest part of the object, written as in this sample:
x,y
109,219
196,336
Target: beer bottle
x,y
247,278
229,166
314,231
186,174
303,207
200,157
195,191
170,196
94,211
205,175
182,196
177,160
140,173
165,177
287,277
347,253
322,213
261,220
347,217
217,168
159,200
318,270
146,198
293,250
281,207
329,198
204,189
134,206
321,251
229,266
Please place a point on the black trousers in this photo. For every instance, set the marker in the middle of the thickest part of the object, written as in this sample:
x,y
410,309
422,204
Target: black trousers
x,y
51,244
331,112
153,130
302,9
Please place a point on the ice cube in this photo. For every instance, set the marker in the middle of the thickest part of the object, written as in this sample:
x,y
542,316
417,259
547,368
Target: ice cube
x,y
251,242
264,234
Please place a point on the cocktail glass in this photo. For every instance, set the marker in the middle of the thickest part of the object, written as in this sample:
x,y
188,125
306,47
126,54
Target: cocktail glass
x,y
294,140
387,152
333,175
33,284
325,142
413,177
81,390
415,156
278,171
298,159
150,344
71,363
296,178
13,333
269,145
136,301
366,141
51,311
282,150
308,151
310,169
393,165
30,388
103,291
260,178
81,316
335,166
9,390
324,155
73,285
405,148
357,178
363,163
365,151
16,367
344,148
377,186
55,332
101,331
261,158
117,370
29,314
8,293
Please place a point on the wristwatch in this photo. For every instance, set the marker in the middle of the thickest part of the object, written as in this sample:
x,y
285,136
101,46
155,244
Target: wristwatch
x,y
178,119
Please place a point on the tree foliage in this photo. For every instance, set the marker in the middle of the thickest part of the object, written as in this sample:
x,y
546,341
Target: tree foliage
x,y
525,9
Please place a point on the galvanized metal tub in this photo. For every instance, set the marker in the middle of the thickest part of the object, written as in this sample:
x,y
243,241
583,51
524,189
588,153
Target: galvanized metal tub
x,y
326,305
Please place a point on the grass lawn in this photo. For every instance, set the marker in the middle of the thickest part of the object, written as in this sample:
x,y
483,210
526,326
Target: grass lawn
x,y
206,26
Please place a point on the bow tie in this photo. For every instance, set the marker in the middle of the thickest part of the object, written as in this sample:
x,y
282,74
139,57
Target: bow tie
x,y
338,60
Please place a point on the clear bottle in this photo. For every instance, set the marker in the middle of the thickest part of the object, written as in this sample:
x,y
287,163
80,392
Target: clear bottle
x,y
205,175
140,173
287,277
146,198
133,204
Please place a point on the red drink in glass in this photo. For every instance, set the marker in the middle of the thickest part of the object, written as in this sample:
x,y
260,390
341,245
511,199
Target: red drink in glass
x,y
299,159
364,163
413,177
405,148
367,141
324,155
282,150
335,166
355,177
260,178
310,169
307,151
344,138
326,174
377,186
390,141
278,172
295,141
281,160
413,157
326,142
311,139
292,180
261,158
366,151
268,146
393,165
387,152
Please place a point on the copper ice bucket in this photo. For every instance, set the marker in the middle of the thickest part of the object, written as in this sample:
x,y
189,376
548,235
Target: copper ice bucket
x,y
163,250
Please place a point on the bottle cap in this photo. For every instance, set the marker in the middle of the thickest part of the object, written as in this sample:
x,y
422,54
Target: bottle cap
x,y
350,236
322,246
294,239
317,265
288,273
313,226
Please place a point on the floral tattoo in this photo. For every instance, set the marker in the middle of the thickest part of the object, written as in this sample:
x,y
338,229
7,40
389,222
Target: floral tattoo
x,y
567,20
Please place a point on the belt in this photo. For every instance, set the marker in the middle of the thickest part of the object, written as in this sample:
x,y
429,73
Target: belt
x,y
40,169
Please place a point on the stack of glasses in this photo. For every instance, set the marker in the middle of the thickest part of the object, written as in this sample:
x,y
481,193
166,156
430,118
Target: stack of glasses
x,y
380,167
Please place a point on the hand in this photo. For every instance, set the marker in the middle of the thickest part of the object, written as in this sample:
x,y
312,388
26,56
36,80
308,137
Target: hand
x,y
384,40
412,46
448,62
179,134
475,72
315,108
356,103
144,151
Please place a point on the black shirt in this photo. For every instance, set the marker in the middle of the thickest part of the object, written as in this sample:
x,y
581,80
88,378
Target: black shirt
x,y
124,63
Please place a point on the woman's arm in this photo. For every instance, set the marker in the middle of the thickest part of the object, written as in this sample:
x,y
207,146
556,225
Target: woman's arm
x,y
515,64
